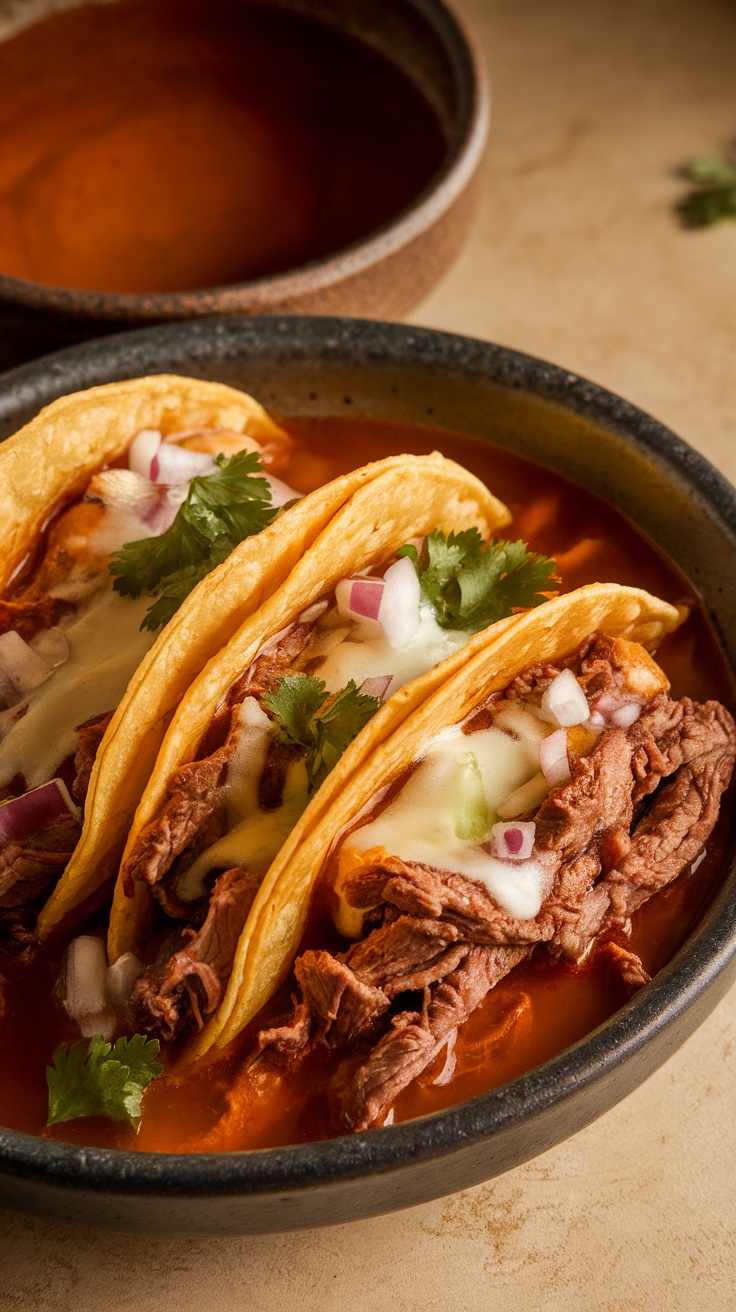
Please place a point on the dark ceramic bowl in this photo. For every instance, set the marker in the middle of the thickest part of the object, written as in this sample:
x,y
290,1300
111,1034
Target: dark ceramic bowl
x,y
304,366
383,275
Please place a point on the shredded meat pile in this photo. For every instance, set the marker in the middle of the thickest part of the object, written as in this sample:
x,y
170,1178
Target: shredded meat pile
x,y
187,982
635,814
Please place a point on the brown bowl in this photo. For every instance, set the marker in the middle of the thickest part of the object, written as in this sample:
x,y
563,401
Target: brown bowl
x,y
383,275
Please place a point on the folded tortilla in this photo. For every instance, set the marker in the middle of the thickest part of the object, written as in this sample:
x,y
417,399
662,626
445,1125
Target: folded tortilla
x,y
488,664
216,609
405,499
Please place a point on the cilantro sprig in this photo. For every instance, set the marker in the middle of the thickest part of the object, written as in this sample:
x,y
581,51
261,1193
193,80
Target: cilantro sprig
x,y
101,1079
714,195
221,509
470,586
322,723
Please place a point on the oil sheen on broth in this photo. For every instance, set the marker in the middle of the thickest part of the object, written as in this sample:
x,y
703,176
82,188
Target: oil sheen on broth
x,y
540,1008
169,145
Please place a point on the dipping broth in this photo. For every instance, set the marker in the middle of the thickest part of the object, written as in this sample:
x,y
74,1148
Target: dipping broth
x,y
543,1005
152,146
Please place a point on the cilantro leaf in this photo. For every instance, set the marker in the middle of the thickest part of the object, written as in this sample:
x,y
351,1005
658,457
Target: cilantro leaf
x,y
470,586
324,724
714,196
106,1080
221,509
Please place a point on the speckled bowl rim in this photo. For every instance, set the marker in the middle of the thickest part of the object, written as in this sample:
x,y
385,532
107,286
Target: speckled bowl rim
x,y
701,966
462,158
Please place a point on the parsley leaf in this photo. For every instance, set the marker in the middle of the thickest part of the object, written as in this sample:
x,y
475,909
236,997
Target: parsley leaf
x,y
322,723
105,1080
221,509
470,586
714,196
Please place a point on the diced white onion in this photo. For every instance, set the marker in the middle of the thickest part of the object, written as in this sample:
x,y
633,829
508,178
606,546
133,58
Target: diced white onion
x,y
23,816
121,976
52,647
20,664
85,977
448,1070
524,799
514,841
176,464
553,758
398,614
142,451
280,491
698,860
626,715
565,700
595,721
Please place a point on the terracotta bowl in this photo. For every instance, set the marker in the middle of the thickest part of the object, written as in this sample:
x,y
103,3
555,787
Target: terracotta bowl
x,y
381,276
303,366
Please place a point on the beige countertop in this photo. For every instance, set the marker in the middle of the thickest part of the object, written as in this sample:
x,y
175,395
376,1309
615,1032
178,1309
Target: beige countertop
x,y
576,257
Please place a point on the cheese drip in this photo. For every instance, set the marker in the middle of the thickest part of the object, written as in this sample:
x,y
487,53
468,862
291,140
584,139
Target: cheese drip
x,y
419,824
106,645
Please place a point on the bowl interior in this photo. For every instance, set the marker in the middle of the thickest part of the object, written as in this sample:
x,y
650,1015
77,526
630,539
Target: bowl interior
x,y
305,366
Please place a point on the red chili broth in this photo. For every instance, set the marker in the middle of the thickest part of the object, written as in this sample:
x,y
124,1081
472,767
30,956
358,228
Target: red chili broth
x,y
538,1010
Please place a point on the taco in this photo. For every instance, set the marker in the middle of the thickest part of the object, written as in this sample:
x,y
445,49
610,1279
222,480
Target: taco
x,y
375,615
71,636
532,804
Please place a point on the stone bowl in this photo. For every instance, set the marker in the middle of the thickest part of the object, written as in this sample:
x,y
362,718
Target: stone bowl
x,y
303,366
383,275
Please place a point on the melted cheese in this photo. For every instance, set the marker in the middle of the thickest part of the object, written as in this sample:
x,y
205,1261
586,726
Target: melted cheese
x,y
375,656
419,824
106,645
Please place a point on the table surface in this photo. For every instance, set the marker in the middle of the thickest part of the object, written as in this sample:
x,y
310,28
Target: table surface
x,y
577,257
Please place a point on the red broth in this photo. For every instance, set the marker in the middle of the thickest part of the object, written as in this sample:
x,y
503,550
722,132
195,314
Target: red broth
x,y
538,1010
170,145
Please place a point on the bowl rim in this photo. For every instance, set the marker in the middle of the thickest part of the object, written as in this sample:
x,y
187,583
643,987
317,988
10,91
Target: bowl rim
x,y
703,959
463,154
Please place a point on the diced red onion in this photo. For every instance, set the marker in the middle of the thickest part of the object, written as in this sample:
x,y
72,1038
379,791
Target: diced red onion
x,y
121,976
626,715
513,841
24,816
20,665
565,700
85,980
177,464
143,450
553,758
448,1070
398,614
364,598
377,686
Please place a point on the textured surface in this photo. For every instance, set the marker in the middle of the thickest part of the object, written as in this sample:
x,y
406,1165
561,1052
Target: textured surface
x,y
577,258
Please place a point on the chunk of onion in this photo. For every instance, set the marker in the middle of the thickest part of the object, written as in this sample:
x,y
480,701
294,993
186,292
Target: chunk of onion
x,y
398,613
524,799
121,976
626,715
359,598
377,686
280,491
176,464
20,666
143,450
23,816
565,700
85,983
513,841
52,647
553,758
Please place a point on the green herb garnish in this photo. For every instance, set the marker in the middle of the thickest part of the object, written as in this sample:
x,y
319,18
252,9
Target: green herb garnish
x,y
714,196
221,510
470,586
322,723
101,1080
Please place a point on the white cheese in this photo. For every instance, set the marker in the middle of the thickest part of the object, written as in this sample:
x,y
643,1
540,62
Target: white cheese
x,y
419,824
375,657
106,645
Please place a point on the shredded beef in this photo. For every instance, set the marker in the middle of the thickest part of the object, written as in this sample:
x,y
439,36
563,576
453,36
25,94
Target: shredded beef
x,y
636,812
90,735
188,984
279,756
27,618
29,866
